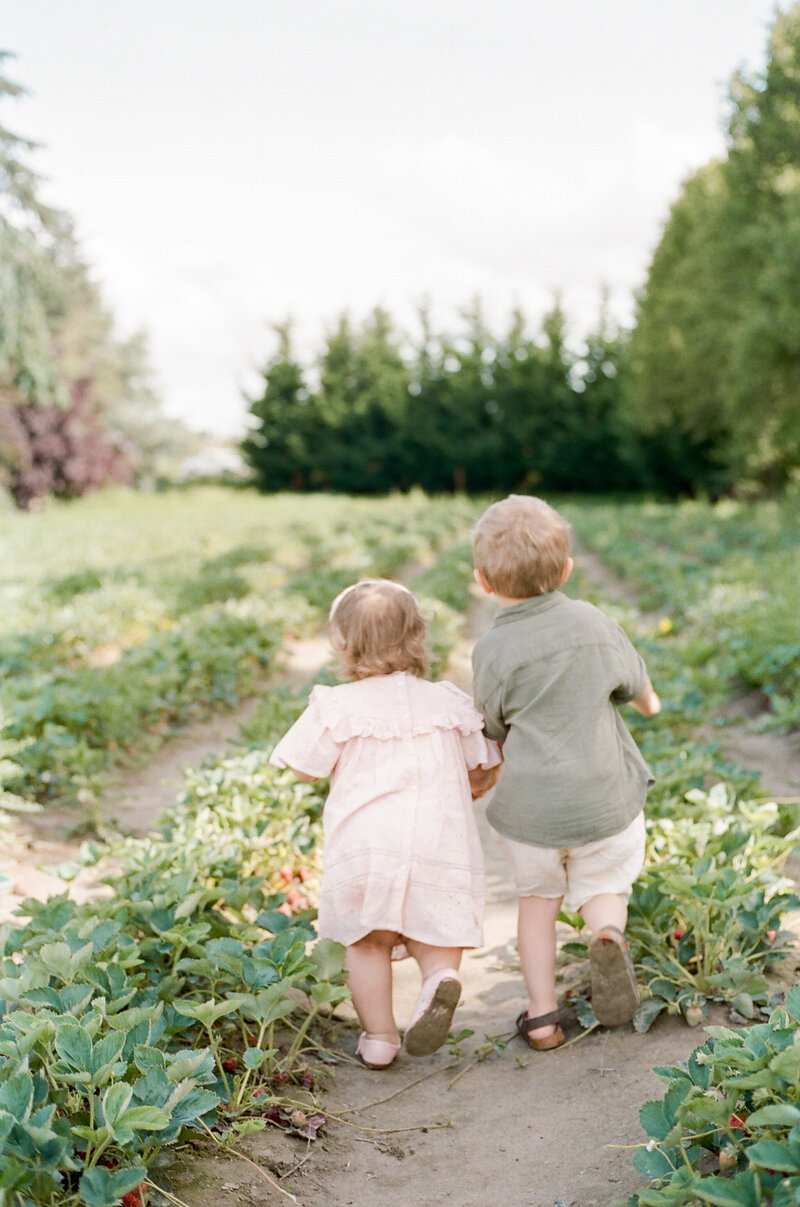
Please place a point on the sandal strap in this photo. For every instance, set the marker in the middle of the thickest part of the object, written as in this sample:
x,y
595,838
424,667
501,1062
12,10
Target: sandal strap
x,y
530,1024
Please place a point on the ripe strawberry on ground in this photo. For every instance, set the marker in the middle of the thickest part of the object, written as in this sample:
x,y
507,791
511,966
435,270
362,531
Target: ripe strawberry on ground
x,y
136,1197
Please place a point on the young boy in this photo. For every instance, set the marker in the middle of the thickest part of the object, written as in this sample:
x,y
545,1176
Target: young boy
x,y
568,806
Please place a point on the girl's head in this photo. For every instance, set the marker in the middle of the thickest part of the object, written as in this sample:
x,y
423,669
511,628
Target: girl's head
x,y
377,628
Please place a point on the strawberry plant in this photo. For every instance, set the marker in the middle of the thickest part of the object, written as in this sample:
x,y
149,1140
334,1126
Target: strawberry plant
x,y
705,914
727,1131
704,918
188,999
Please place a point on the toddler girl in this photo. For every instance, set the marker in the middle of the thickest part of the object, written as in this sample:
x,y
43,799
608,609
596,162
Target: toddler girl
x,y
403,866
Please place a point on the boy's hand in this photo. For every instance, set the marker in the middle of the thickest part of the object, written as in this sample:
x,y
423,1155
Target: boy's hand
x,y
647,702
482,779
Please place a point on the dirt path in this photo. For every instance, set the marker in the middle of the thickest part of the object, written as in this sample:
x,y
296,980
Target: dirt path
x,y
522,1128
500,1123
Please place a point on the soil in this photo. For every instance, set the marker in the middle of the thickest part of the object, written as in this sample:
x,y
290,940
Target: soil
x,y
493,1121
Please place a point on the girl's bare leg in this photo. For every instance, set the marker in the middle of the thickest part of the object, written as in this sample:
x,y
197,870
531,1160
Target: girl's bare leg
x,y
369,977
433,959
536,937
438,997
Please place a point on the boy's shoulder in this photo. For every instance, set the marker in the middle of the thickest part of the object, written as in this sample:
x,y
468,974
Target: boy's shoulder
x,y
543,611
560,620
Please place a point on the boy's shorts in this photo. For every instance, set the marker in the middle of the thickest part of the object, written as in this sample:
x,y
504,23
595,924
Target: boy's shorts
x,y
609,865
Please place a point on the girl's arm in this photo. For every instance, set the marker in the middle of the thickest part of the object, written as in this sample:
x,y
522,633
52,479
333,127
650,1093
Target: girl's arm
x,y
301,775
481,779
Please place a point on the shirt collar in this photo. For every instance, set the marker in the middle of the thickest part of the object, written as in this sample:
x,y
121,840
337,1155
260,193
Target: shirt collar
x,y
529,607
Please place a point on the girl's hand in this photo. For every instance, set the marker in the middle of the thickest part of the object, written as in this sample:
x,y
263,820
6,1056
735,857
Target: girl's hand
x,y
481,779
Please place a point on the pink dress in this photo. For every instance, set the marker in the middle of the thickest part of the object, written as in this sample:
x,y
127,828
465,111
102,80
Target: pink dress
x,y
402,851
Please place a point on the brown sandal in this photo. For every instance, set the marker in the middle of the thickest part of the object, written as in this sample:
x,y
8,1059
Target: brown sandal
x,y
615,994
540,1043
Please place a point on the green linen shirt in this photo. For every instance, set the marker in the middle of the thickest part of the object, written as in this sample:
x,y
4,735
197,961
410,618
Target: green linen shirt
x,y
548,676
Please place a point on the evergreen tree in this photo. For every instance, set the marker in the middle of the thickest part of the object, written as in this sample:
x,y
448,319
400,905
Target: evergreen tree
x,y
364,391
280,447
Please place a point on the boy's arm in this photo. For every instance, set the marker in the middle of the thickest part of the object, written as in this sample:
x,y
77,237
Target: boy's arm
x,y
302,775
647,702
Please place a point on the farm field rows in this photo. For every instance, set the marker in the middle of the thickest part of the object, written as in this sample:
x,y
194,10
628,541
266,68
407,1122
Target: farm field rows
x,y
190,999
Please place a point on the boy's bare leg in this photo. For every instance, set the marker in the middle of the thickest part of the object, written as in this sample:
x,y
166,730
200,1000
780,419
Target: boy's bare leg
x,y
615,994
606,909
536,937
369,977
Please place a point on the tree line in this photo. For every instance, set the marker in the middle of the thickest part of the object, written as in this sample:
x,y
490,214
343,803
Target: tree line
x,y
701,396
469,410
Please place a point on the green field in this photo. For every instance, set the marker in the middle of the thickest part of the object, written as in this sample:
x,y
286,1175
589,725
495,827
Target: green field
x,y
173,1004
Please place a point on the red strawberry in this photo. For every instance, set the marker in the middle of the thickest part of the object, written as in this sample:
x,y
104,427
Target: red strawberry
x,y
230,1065
136,1197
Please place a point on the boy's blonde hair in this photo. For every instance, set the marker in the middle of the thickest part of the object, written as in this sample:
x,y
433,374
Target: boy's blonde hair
x,y
377,628
521,546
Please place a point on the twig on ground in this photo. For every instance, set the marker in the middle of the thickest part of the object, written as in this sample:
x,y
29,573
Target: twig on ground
x,y
602,1069
577,1038
390,1131
286,1193
356,1110
300,1163
171,1197
458,1076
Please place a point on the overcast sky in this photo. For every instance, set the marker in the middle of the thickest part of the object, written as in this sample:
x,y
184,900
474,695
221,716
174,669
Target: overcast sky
x,y
230,163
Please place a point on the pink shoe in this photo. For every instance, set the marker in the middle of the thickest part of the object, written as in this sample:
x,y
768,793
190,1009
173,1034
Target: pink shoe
x,y
376,1053
429,1024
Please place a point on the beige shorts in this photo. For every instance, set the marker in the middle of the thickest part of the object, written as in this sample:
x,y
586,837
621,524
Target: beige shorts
x,y
609,865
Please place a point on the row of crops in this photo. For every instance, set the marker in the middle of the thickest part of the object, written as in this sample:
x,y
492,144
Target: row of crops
x,y
718,592
192,999
124,618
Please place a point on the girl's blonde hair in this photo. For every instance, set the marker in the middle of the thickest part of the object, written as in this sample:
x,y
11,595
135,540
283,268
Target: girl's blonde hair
x,y
377,628
521,545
